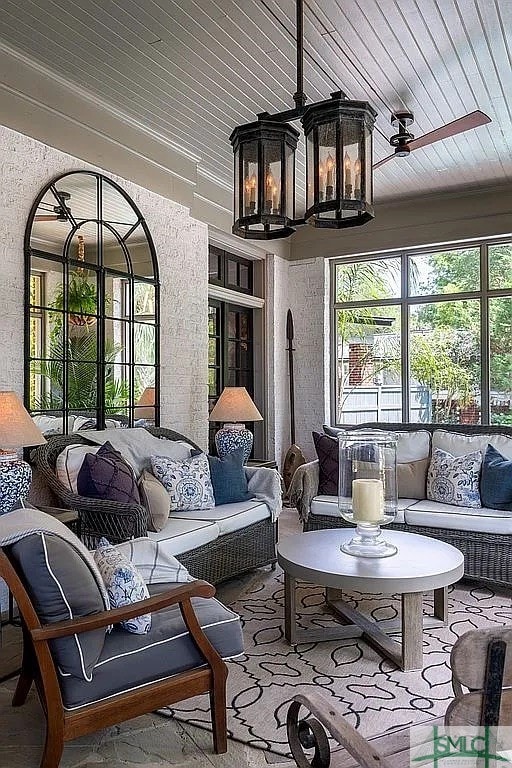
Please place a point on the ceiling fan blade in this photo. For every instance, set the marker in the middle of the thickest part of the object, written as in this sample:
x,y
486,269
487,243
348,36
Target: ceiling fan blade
x,y
466,123
381,162
53,217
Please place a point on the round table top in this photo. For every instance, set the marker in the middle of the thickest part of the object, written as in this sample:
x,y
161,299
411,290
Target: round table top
x,y
420,564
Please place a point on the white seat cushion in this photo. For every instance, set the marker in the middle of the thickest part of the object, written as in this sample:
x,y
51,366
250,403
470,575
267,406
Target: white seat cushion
x,y
179,536
434,514
229,517
328,505
459,445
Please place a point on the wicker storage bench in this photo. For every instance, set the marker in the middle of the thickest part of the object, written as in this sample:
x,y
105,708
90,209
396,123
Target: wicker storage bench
x,y
221,557
487,554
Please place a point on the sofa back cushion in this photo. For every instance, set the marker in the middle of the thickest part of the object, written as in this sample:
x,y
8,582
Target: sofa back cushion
x,y
411,478
459,445
69,462
62,586
496,480
410,446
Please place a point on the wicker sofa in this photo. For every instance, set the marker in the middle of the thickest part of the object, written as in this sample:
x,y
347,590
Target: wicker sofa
x,y
213,547
484,536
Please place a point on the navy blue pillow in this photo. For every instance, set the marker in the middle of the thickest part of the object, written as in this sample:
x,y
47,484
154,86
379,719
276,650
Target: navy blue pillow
x,y
228,477
496,480
106,475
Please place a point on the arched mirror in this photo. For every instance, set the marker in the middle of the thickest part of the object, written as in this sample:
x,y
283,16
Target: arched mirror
x,y
92,300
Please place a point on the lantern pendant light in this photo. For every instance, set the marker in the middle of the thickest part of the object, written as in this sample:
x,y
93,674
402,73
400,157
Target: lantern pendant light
x,y
339,185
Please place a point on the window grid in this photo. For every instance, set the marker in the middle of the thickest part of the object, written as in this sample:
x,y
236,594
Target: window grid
x,y
483,296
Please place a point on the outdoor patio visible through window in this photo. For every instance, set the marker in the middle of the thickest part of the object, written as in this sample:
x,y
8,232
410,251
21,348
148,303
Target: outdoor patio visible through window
x,y
440,321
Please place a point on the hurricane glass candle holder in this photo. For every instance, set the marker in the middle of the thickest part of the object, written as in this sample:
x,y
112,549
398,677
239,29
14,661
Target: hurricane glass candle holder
x,y
367,494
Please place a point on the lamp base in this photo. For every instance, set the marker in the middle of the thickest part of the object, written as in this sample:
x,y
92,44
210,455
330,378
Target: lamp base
x,y
233,436
15,479
368,542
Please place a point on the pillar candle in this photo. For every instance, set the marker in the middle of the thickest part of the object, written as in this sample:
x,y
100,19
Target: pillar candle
x,y
368,500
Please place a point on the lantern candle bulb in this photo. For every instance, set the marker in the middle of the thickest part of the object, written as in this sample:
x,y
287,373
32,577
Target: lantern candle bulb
x,y
348,175
357,179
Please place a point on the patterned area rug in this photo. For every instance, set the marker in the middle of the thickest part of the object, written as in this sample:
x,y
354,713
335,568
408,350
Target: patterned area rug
x,y
370,692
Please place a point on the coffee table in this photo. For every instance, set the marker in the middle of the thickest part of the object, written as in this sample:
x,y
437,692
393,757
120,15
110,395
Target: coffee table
x,y
421,564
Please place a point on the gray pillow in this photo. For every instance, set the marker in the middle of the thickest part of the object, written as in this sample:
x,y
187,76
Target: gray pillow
x,y
156,500
412,479
62,586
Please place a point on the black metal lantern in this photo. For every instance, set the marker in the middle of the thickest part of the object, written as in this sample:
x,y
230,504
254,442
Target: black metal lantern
x,y
339,162
264,179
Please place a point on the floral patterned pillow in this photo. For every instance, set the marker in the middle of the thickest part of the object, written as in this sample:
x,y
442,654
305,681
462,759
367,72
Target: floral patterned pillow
x,y
454,479
124,584
187,482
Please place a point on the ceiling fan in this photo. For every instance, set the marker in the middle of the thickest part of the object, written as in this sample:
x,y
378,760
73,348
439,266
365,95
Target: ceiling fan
x,y
61,212
404,142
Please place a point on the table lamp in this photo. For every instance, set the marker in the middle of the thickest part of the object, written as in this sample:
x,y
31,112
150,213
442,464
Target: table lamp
x,y
17,430
234,407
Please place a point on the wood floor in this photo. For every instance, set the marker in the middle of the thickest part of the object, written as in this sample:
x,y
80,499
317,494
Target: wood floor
x,y
150,741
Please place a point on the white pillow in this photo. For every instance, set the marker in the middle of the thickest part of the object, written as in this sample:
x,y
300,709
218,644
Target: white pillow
x,y
188,483
459,445
69,461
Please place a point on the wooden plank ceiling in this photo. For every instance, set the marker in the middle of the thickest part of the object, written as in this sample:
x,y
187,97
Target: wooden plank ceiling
x,y
190,70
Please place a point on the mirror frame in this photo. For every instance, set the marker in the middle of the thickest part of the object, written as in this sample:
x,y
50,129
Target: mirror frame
x,y
68,264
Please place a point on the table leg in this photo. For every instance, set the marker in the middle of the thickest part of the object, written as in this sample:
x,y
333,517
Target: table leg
x,y
441,604
412,630
290,613
332,594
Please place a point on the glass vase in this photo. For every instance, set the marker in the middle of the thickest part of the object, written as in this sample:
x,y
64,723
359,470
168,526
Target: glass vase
x,y
367,495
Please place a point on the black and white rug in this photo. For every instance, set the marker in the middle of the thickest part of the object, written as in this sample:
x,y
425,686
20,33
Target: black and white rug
x,y
370,692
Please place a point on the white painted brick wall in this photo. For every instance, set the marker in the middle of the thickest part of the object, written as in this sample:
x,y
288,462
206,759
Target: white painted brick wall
x,y
181,245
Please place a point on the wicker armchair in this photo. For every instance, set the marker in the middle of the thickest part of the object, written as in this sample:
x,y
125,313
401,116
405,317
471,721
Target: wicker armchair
x,y
113,519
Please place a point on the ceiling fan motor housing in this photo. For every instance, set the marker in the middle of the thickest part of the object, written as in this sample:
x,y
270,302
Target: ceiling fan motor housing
x,y
401,120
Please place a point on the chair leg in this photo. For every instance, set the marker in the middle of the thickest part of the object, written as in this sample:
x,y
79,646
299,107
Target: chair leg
x,y
219,716
23,687
54,745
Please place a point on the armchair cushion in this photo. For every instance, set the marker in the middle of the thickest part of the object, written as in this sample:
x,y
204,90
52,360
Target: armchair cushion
x,y
107,476
61,586
69,462
496,480
328,458
132,661
124,584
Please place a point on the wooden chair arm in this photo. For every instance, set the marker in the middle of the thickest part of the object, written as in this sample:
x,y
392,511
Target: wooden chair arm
x,y
179,594
344,733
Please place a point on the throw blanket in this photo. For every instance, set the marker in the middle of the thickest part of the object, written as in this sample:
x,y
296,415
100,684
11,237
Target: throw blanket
x,y
20,523
304,487
264,484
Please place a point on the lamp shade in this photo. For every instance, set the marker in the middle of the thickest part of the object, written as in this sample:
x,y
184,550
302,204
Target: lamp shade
x,y
235,405
17,430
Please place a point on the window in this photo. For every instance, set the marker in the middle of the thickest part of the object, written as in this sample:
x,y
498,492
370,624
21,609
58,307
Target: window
x,y
230,329
424,336
92,305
